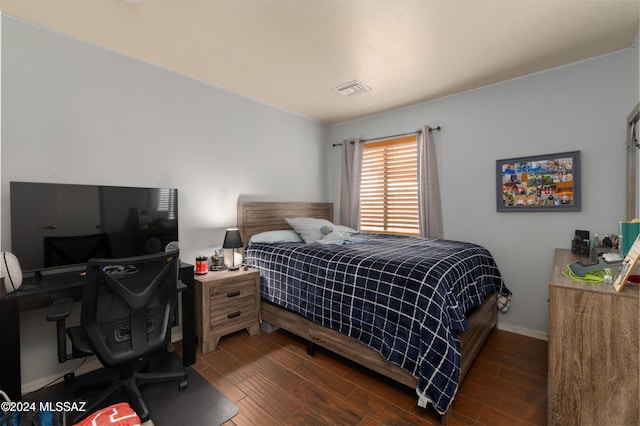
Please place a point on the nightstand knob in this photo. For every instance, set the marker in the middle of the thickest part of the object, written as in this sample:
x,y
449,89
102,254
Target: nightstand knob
x,y
233,293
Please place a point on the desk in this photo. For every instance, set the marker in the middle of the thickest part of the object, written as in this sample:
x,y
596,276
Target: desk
x,y
69,284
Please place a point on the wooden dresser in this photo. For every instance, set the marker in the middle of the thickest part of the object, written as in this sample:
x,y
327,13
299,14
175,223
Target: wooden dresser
x,y
594,370
226,301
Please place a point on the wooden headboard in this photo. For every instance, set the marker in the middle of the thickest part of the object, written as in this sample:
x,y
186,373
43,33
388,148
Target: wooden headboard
x,y
256,217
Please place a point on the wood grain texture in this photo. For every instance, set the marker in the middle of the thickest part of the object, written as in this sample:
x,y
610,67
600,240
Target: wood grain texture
x,y
256,217
226,301
505,385
481,324
594,367
260,217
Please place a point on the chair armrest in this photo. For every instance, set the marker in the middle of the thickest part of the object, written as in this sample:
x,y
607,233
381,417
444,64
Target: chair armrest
x,y
59,309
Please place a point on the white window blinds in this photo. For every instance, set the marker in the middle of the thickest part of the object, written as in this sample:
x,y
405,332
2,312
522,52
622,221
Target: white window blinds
x,y
167,202
389,187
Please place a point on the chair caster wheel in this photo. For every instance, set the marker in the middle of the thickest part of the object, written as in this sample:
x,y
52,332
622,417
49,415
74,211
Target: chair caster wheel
x,y
184,384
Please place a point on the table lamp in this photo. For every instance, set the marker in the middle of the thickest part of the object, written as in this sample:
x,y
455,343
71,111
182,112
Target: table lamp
x,y
232,240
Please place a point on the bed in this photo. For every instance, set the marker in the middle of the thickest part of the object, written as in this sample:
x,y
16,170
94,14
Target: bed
x,y
386,302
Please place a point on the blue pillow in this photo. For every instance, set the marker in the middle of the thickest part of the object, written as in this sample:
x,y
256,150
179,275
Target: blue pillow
x,y
272,237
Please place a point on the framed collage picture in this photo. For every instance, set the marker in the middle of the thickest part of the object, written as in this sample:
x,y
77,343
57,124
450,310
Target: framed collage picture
x,y
539,183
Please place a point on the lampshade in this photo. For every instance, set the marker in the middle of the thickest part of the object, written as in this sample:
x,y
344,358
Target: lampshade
x,y
232,239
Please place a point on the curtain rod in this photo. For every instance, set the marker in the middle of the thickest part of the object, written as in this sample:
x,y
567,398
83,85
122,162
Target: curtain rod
x,y
438,128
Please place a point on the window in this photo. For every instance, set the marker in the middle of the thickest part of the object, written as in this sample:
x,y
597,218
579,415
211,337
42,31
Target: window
x,y
389,187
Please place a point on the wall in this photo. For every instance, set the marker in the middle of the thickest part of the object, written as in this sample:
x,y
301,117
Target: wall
x,y
582,106
77,113
636,69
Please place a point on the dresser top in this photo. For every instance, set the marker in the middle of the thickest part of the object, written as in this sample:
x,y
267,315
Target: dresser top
x,y
564,257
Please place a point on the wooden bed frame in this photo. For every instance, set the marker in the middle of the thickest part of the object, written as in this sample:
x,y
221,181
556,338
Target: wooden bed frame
x,y
256,217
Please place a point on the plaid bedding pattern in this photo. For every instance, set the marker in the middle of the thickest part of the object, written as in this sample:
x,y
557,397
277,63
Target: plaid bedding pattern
x,y
402,296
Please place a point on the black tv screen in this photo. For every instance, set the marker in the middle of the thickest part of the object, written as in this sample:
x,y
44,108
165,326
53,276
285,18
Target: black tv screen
x,y
55,225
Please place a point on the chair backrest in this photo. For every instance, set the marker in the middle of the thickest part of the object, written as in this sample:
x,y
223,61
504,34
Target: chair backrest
x,y
128,306
60,251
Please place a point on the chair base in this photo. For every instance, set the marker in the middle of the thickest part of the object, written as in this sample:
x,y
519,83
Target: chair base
x,y
130,383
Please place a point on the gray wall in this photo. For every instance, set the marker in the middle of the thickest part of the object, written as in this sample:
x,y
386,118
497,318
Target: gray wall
x,y
636,69
582,106
77,113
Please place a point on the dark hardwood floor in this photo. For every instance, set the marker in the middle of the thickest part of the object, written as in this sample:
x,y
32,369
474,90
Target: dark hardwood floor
x,y
273,381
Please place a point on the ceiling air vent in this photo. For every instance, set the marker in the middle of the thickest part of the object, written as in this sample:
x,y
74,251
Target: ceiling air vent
x,y
352,88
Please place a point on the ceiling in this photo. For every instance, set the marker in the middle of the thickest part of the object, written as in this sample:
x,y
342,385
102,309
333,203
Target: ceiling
x,y
290,54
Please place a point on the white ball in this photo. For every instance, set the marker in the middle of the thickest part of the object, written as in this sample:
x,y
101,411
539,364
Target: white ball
x,y
10,270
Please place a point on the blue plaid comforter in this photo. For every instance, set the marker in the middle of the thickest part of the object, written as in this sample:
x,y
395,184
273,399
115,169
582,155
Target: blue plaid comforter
x,y
402,296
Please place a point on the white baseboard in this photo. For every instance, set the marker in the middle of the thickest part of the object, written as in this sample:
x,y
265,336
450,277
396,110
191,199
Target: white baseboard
x,y
523,331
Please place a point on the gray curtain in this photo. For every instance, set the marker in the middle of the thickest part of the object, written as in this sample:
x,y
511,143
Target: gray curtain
x,y
429,205
350,183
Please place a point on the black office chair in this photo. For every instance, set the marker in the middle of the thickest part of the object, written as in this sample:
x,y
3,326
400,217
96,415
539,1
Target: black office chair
x,y
128,306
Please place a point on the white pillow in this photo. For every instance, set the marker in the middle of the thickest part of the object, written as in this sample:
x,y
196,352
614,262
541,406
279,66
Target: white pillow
x,y
309,228
345,229
341,229
272,237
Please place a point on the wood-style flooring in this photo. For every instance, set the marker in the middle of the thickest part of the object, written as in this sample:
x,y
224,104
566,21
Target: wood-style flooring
x,y
273,381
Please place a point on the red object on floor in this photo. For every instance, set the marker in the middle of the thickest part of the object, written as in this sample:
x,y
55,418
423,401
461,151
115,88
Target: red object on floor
x,y
115,415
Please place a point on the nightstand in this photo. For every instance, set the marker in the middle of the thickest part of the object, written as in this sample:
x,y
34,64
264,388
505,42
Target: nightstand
x,y
226,301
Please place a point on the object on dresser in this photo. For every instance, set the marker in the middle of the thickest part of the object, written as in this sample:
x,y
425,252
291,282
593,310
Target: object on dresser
x,y
217,261
233,241
597,271
202,265
628,264
583,235
580,243
629,231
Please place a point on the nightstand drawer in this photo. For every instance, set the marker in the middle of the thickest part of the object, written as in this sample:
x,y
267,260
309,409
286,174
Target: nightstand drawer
x,y
232,315
230,292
